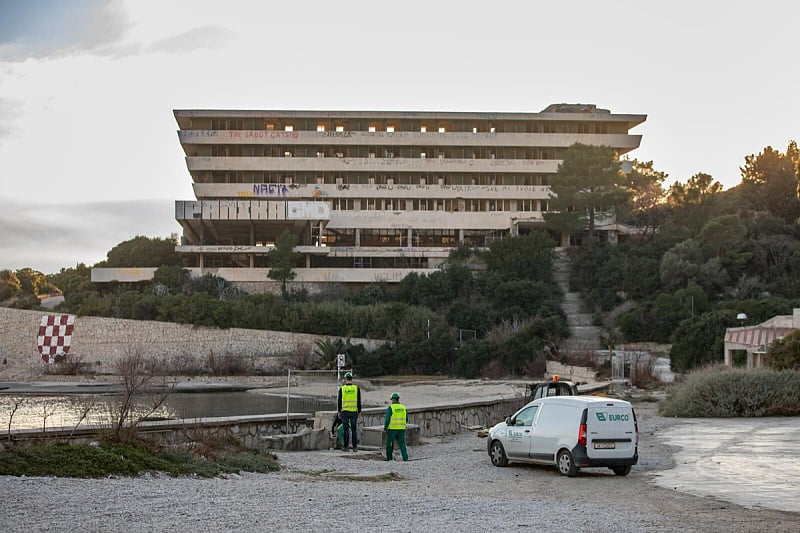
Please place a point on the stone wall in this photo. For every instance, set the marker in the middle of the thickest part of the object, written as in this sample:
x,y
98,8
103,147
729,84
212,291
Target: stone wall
x,y
254,430
249,430
435,420
98,343
570,372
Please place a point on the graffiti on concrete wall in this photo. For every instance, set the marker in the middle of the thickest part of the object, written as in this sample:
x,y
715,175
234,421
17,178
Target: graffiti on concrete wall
x,y
270,189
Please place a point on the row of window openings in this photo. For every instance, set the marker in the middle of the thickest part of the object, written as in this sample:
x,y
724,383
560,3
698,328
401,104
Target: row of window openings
x,y
356,152
384,236
243,261
459,179
433,127
374,129
437,204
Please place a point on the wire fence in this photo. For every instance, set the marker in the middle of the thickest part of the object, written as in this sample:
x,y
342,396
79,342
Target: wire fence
x,y
309,391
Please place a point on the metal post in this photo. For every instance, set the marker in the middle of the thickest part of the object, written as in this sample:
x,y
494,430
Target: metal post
x,y
288,387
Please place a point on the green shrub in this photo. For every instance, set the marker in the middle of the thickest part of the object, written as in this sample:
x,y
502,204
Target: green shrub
x,y
785,353
475,316
113,458
700,341
718,391
472,357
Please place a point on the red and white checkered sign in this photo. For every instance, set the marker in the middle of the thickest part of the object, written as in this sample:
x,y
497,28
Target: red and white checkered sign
x,y
55,336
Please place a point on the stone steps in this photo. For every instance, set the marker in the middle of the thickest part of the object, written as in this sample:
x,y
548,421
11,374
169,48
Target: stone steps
x,y
584,335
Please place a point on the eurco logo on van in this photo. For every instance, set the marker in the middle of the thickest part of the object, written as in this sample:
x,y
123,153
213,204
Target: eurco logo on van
x,y
603,417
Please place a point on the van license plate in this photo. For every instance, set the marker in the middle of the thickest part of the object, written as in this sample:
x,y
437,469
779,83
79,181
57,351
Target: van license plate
x,y
604,445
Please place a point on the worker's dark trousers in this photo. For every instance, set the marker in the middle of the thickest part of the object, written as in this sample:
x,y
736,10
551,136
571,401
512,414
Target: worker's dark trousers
x,y
398,435
350,423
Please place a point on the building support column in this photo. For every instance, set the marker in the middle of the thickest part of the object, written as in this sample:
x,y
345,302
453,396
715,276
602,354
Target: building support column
x,y
460,236
410,243
565,239
358,237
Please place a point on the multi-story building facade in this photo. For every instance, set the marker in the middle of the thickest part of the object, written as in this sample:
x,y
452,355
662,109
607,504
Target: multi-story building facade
x,y
372,195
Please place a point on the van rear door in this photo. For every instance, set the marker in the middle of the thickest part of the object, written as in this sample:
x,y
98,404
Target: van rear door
x,y
611,430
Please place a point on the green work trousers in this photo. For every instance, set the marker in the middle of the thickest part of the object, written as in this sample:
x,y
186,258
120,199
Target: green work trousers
x,y
398,435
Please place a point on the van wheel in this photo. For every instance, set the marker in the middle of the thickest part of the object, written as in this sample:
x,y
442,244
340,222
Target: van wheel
x,y
622,470
566,465
498,454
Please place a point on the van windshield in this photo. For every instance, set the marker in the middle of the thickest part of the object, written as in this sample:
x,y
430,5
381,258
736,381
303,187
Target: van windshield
x,y
526,416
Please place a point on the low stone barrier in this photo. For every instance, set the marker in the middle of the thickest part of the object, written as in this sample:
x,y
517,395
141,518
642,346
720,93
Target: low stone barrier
x,y
305,439
570,372
249,430
435,420
297,431
375,436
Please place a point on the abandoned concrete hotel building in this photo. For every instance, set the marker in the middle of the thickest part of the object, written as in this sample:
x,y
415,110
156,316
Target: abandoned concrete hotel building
x,y
370,195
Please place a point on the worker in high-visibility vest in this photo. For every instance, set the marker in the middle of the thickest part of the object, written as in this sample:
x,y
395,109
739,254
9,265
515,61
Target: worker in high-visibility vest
x,y
349,405
394,425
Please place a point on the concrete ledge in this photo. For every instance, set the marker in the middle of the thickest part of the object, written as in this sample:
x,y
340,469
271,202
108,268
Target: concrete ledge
x,y
248,429
305,439
270,431
374,436
439,419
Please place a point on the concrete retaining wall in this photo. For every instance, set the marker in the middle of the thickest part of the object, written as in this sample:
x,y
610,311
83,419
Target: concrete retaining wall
x,y
260,431
98,343
249,430
570,372
437,420
375,436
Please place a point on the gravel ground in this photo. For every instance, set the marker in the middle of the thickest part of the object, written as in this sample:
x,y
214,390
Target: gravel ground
x,y
448,485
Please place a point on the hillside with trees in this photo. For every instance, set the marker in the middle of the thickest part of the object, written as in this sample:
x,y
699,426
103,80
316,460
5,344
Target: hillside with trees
x,y
699,256
716,254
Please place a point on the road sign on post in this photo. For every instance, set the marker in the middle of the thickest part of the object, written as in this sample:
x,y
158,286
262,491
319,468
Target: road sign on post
x,y
339,366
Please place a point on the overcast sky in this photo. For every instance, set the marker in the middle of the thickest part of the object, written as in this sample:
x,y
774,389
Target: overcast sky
x,y
89,155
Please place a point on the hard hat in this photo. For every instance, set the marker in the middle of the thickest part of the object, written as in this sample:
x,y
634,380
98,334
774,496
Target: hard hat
x,y
395,396
348,375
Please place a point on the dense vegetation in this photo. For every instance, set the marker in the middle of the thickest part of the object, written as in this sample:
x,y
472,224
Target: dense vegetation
x,y
511,310
108,457
697,258
718,391
716,254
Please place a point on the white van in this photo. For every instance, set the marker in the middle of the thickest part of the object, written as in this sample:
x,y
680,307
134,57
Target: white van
x,y
570,432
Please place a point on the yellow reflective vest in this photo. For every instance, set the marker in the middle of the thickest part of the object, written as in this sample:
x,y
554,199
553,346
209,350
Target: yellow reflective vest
x,y
398,420
350,398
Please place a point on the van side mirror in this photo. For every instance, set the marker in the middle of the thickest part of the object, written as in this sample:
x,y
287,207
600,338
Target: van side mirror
x,y
510,421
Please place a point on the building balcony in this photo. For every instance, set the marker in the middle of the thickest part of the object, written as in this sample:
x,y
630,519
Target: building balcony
x,y
432,165
259,275
223,217
621,141
329,251
293,191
